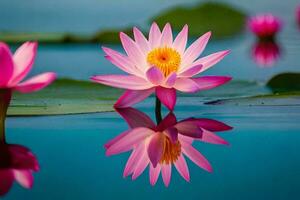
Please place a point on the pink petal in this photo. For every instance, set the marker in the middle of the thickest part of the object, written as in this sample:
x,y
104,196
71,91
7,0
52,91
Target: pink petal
x,y
36,83
167,96
154,173
195,49
212,125
211,59
189,128
186,85
167,122
154,36
155,148
212,138
123,81
154,75
6,180
24,177
196,156
133,51
140,40
135,136
141,165
209,82
120,61
23,59
6,65
131,97
172,133
136,118
116,139
191,71
166,171
182,168
181,40
170,80
166,36
133,159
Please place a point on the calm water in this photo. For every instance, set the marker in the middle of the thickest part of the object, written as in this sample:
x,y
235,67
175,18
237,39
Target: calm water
x,y
262,162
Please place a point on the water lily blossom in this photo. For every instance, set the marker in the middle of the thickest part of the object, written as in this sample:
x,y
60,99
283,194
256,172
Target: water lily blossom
x,y
265,25
15,67
17,163
161,65
266,53
163,145
298,14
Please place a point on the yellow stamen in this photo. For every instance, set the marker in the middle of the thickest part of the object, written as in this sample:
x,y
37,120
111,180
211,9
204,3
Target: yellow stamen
x,y
171,151
164,58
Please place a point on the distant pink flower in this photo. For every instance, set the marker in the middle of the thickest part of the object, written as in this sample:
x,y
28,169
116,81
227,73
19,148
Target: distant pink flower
x,y
298,14
16,163
14,68
161,65
264,25
164,145
265,53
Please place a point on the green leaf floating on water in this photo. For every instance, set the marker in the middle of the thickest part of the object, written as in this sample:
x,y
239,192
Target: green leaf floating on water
x,y
286,82
65,96
221,19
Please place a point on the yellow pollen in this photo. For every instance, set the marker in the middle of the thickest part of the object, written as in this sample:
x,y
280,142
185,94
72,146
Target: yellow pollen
x,y
164,58
171,151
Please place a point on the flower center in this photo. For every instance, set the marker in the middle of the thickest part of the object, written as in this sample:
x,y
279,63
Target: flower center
x,y
164,58
171,151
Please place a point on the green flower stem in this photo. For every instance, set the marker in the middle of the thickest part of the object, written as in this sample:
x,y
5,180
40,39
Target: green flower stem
x,y
158,111
5,97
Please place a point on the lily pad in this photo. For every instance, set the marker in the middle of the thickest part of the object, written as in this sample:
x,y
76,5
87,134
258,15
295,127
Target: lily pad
x,y
65,96
286,82
221,19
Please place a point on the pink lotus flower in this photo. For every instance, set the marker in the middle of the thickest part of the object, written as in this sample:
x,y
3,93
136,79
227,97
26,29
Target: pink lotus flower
x,y
14,68
16,163
264,25
298,14
266,53
161,65
164,145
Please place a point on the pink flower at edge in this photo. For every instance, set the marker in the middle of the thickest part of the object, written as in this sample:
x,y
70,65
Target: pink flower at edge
x,y
164,145
162,65
14,68
17,163
264,25
298,14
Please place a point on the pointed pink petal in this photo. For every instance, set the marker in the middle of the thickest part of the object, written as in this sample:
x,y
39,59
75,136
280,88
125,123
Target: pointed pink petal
x,y
133,137
140,40
133,51
167,36
154,174
154,36
136,118
24,177
170,80
181,40
172,133
212,138
123,81
23,60
166,171
167,122
154,75
141,165
191,71
189,128
196,156
182,168
6,65
167,96
193,52
131,97
155,148
36,83
133,159
116,139
6,180
209,82
213,125
121,61
186,139
186,85
211,59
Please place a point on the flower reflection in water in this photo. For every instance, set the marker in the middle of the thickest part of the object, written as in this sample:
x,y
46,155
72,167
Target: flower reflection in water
x,y
266,52
163,145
